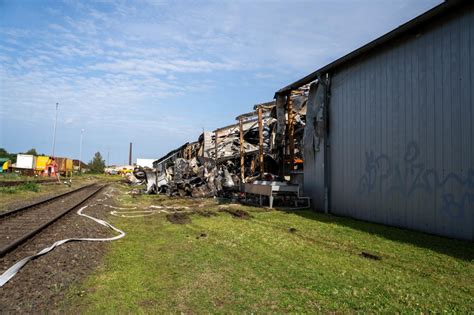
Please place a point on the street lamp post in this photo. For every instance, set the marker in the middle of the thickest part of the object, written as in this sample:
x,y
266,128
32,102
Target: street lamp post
x,y
80,151
55,126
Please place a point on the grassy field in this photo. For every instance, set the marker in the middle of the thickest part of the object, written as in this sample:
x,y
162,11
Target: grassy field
x,y
274,261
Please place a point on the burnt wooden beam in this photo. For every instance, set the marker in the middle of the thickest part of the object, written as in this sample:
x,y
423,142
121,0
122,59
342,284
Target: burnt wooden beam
x,y
260,141
216,136
291,132
242,152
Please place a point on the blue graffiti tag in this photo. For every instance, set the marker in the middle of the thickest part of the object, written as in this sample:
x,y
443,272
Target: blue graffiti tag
x,y
387,177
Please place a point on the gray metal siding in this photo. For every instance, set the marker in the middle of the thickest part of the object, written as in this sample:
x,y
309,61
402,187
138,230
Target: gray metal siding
x,y
401,134
314,171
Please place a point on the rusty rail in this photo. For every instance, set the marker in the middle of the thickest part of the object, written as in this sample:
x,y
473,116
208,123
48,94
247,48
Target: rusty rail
x,y
16,242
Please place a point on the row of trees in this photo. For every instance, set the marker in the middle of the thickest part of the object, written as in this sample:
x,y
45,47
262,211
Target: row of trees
x,y
96,165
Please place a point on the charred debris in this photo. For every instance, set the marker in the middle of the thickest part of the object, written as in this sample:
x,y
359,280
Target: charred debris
x,y
264,146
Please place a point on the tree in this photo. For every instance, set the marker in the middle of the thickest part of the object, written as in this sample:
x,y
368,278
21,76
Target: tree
x,y
97,164
32,151
11,156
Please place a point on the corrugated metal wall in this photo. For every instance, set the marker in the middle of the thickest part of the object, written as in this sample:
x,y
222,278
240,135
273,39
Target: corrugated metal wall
x,y
402,134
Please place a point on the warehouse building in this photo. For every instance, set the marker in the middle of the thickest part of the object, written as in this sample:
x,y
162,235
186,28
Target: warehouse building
x,y
389,135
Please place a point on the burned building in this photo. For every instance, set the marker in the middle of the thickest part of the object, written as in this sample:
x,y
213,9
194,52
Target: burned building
x,y
264,144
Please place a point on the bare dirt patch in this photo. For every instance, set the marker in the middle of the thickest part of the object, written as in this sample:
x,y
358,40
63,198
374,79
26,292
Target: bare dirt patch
x,y
202,235
178,218
206,213
237,213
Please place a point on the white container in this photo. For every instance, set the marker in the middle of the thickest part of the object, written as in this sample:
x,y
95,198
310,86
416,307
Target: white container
x,y
146,162
25,161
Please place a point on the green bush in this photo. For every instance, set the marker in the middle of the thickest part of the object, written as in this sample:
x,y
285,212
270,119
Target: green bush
x,y
30,186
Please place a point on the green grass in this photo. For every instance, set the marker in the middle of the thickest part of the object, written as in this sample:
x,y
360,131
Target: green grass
x,y
9,177
32,190
257,265
29,186
12,177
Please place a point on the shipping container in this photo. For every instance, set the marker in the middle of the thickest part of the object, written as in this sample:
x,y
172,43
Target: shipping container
x,y
64,166
25,161
61,164
145,162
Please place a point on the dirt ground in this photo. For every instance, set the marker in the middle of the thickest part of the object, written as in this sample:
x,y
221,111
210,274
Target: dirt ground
x,y
42,284
178,218
236,213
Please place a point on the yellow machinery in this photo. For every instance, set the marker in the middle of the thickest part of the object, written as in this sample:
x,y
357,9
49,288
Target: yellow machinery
x,y
124,171
64,165
41,162
5,166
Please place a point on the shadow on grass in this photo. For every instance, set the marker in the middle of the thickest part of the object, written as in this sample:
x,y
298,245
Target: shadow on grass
x,y
455,248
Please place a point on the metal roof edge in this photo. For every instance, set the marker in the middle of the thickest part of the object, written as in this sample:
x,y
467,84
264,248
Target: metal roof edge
x,y
170,153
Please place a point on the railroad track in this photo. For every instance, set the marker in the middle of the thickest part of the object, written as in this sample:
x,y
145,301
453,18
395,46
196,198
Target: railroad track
x,y
18,225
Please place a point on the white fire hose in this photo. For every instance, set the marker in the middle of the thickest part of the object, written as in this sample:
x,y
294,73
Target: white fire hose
x,y
12,271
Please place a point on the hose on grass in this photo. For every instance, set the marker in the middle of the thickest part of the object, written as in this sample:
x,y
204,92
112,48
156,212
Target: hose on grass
x,y
12,271
129,212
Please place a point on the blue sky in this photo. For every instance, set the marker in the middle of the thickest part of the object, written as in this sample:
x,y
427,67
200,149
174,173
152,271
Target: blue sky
x,y
156,72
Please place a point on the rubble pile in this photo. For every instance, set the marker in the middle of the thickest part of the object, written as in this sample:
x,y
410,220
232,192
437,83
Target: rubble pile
x,y
198,177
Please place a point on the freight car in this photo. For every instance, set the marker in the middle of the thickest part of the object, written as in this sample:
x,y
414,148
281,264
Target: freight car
x,y
25,161
64,166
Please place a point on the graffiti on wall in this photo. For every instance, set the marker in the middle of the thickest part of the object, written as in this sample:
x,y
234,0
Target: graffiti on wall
x,y
409,175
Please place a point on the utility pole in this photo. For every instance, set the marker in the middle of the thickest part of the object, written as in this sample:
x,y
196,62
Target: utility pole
x,y
108,154
80,151
55,126
130,155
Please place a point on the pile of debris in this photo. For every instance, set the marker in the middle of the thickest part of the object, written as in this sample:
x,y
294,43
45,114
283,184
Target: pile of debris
x,y
198,177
